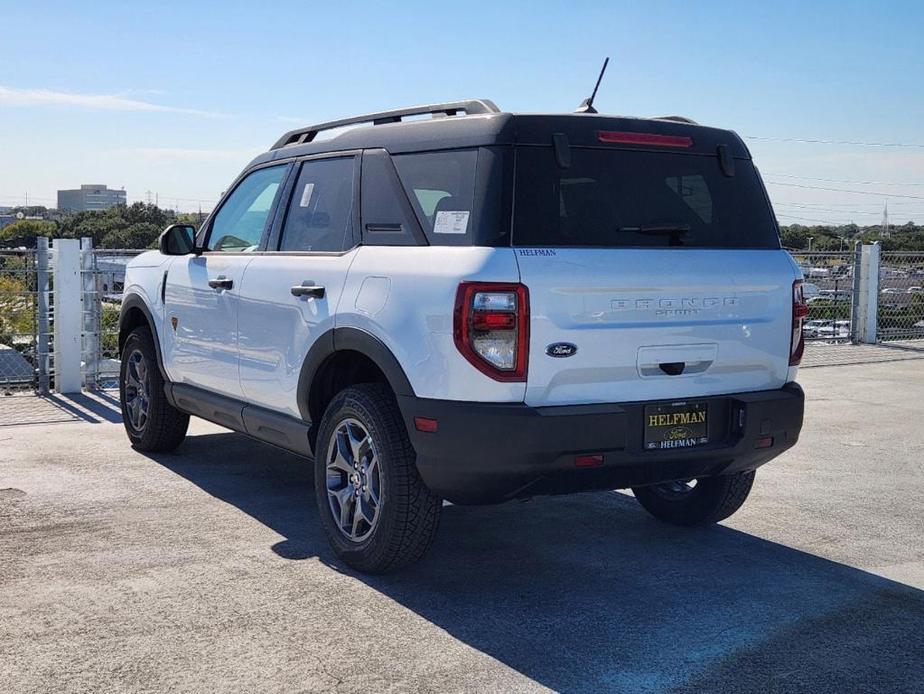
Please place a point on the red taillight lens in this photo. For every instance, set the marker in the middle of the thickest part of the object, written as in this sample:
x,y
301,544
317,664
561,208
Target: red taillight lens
x,y
491,328
799,313
615,138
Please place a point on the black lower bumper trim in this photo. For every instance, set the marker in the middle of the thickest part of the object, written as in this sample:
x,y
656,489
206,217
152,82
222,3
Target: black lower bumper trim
x,y
487,452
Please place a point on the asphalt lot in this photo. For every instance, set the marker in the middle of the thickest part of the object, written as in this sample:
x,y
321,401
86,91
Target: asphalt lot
x,y
207,570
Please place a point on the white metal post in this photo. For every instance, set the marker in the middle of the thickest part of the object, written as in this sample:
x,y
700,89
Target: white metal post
x,y
42,287
68,315
868,301
91,320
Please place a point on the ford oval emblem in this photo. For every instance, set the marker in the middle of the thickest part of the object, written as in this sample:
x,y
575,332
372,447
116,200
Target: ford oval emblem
x,y
561,349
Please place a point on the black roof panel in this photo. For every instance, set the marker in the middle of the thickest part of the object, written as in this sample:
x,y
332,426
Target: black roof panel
x,y
486,129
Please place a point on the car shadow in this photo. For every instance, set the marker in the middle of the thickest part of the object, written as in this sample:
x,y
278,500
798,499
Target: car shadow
x,y
587,593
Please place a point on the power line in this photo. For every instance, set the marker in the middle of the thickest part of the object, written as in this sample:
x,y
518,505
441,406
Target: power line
x,y
841,180
842,190
816,208
834,142
855,203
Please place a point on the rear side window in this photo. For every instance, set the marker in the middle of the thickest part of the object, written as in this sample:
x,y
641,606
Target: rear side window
x,y
320,215
441,188
622,198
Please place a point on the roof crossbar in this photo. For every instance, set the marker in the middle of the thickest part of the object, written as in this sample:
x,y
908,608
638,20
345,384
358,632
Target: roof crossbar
x,y
301,136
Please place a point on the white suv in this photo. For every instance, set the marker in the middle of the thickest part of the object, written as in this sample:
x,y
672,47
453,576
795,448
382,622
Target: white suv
x,y
479,306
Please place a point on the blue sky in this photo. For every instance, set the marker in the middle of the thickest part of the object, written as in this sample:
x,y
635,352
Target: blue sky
x,y
175,97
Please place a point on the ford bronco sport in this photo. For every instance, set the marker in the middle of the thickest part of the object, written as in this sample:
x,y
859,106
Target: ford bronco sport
x,y
459,303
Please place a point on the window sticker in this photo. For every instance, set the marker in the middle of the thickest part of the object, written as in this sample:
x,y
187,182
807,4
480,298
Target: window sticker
x,y
451,222
306,195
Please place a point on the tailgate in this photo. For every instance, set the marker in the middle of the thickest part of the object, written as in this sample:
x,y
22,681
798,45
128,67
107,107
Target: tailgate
x,y
631,324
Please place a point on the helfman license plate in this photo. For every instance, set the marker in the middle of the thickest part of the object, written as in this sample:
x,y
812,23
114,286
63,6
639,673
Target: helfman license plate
x,y
676,425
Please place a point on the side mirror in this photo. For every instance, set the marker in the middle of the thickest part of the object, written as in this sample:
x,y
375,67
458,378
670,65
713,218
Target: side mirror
x,y
178,239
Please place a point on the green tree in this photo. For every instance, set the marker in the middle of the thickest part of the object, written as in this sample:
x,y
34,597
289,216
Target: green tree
x,y
23,232
138,235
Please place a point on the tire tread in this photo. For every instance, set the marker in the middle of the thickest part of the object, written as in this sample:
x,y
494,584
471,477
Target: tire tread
x,y
166,426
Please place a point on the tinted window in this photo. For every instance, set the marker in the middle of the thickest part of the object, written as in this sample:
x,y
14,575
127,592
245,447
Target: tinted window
x,y
238,225
621,198
320,215
441,187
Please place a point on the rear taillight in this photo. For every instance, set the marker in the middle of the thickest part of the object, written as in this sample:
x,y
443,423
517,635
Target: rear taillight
x,y
491,328
799,312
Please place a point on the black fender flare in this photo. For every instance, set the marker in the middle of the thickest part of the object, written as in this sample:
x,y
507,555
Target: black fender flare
x,y
354,340
134,301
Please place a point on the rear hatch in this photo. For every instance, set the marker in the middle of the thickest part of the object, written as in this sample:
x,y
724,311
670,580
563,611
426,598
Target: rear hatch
x,y
654,270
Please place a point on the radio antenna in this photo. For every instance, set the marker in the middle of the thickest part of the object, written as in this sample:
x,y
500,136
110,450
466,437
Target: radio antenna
x,y
587,106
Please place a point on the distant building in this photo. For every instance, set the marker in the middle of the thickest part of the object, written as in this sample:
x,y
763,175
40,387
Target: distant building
x,y
90,197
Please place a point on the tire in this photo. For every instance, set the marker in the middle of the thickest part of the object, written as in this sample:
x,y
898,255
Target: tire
x,y
710,500
375,510
153,425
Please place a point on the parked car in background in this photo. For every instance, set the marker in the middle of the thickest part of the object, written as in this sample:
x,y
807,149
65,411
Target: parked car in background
x,y
811,327
810,290
835,294
839,330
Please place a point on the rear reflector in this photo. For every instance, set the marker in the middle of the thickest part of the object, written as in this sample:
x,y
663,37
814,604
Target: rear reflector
x,y
764,442
426,424
616,138
588,460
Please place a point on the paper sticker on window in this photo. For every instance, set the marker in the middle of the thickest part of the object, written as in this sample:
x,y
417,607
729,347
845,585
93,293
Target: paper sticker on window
x,y
450,222
306,195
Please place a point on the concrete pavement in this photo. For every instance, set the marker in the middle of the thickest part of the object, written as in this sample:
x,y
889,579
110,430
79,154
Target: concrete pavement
x,y
206,570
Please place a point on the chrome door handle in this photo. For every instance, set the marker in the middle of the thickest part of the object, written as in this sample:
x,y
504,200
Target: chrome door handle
x,y
221,282
309,289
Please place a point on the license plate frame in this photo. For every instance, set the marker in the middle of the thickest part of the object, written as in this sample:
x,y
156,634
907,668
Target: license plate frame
x,y
673,425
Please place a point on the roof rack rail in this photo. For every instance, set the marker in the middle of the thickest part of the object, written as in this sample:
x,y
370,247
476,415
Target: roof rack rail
x,y
301,136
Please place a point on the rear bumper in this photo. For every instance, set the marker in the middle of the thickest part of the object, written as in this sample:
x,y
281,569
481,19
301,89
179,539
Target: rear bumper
x,y
486,452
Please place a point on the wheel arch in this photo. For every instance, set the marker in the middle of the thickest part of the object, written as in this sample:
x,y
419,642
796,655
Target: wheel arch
x,y
341,344
134,314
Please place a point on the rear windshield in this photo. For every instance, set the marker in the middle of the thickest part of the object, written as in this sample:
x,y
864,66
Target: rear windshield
x,y
620,198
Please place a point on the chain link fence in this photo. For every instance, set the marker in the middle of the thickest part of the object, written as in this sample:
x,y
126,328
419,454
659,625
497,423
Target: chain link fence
x,y
18,322
829,288
901,296
103,278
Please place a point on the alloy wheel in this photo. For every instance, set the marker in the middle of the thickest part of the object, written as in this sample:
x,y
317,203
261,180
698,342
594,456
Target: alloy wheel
x,y
137,388
354,480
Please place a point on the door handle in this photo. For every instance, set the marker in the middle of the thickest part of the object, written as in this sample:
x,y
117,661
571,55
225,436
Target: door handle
x,y
309,289
221,282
